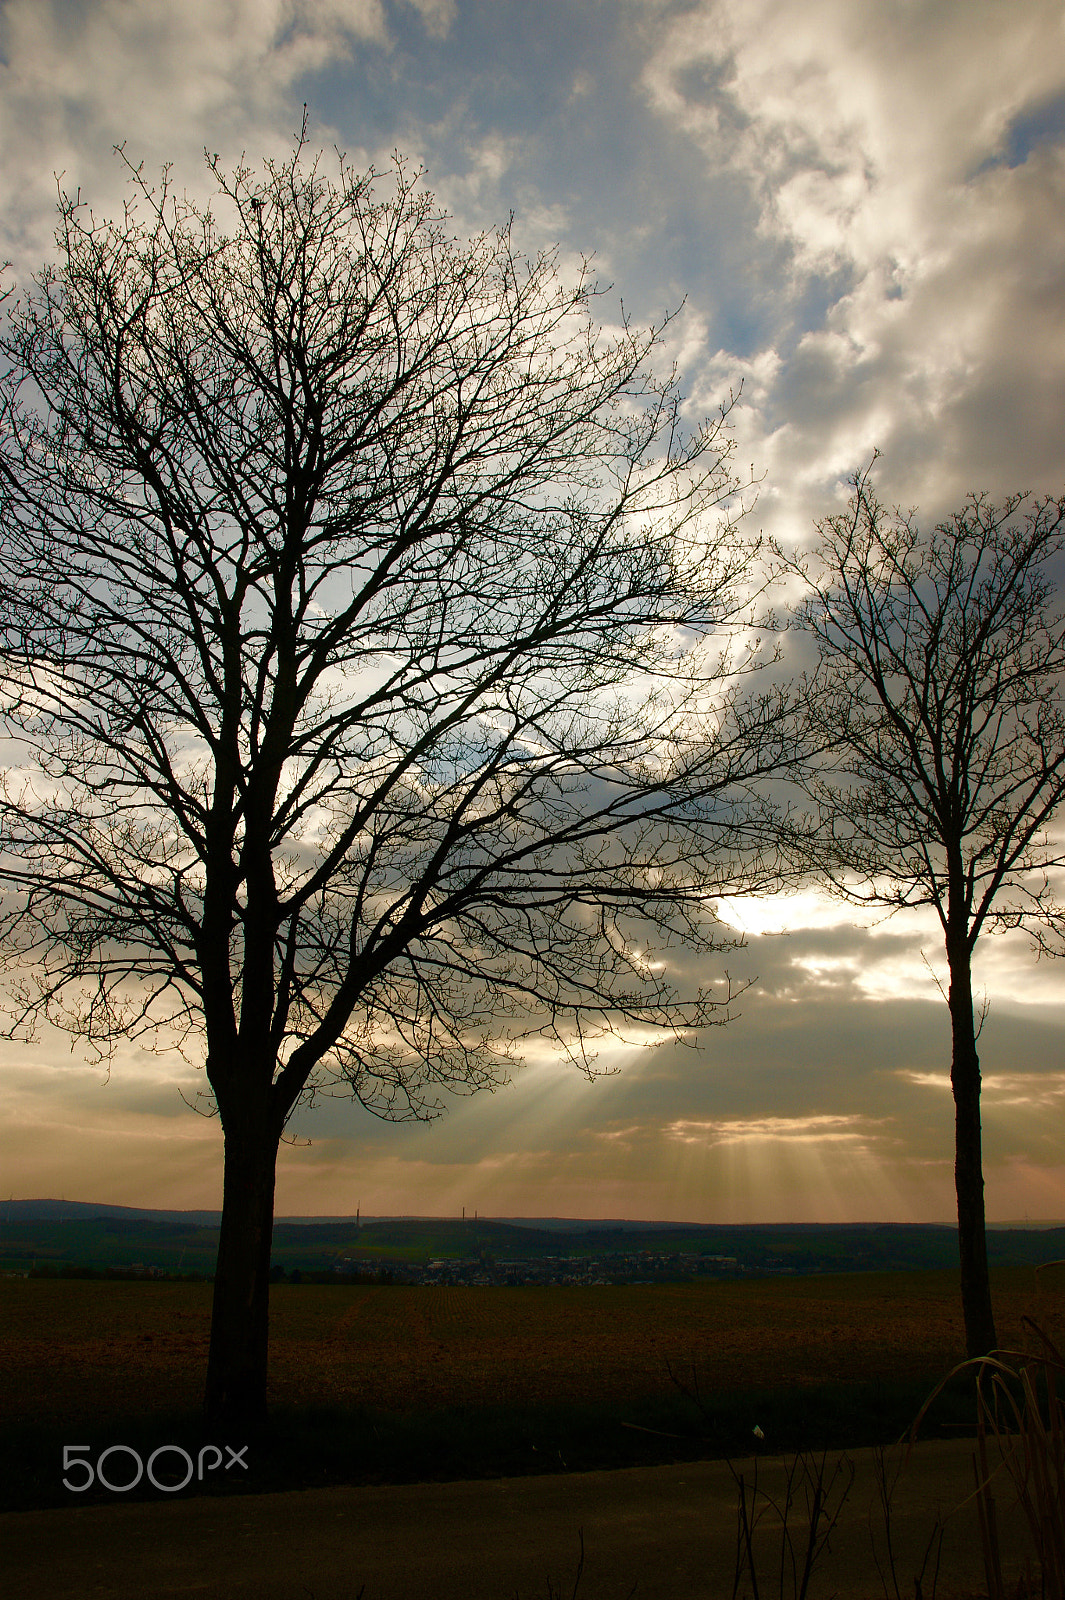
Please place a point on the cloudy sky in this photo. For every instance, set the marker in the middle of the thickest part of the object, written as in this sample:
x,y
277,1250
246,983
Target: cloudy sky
x,y
857,208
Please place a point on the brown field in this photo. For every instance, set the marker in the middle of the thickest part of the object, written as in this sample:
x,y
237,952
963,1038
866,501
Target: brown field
x,y
83,1349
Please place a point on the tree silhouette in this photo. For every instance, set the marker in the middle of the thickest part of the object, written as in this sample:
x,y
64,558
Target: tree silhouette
x,y
939,703
358,598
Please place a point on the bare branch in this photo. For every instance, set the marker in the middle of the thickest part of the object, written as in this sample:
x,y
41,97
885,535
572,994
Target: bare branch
x,y
357,596
939,762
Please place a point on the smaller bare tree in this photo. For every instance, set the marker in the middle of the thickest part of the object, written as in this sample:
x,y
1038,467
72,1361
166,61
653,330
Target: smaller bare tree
x,y
938,701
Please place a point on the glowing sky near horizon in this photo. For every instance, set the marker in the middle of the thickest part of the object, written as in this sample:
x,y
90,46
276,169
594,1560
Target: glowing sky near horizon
x,y
857,210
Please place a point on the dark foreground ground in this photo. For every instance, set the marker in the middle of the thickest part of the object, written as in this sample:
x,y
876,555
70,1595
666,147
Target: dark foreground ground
x,y
658,1533
373,1385
457,1442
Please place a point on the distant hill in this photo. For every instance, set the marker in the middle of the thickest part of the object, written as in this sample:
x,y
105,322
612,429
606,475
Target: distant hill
x,y
58,1235
74,1210
69,1210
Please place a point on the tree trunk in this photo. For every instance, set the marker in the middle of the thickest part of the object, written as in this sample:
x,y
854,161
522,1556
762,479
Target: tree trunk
x,y
968,1157
235,1400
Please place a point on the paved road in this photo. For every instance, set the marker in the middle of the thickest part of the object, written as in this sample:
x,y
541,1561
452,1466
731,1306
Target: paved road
x,y
667,1532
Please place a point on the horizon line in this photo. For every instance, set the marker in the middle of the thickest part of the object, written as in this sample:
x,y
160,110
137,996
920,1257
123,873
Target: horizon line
x,y
426,1216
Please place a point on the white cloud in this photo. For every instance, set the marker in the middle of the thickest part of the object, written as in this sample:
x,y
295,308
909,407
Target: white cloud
x,y
800,1130
871,140
854,121
164,79
1038,1091
778,913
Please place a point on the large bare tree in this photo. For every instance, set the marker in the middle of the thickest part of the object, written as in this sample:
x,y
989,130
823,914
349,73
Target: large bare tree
x,y
359,598
939,704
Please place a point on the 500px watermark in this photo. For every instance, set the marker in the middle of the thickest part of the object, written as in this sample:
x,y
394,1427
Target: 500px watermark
x,y
209,1459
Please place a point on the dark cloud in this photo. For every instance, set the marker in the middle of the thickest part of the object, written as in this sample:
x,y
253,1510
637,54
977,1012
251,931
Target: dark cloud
x,y
1036,124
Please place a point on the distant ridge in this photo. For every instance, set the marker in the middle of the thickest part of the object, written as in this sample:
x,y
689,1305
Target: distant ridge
x,y
72,1210
46,1237
75,1210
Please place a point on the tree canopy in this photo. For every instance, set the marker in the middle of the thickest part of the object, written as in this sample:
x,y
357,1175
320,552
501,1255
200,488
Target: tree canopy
x,y
938,708
366,658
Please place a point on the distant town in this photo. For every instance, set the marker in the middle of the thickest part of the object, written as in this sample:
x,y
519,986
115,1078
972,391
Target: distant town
x,y
59,1238
613,1266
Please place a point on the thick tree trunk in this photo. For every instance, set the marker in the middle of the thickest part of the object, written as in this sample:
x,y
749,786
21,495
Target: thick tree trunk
x,y
968,1156
235,1400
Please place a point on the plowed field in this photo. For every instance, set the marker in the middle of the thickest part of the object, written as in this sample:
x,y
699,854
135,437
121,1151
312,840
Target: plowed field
x,y
82,1349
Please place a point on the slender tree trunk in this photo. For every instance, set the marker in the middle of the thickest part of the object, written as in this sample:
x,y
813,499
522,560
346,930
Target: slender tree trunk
x,y
236,1364
968,1156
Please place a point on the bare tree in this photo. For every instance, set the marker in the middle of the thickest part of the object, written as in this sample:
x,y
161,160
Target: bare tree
x,y
939,703
357,599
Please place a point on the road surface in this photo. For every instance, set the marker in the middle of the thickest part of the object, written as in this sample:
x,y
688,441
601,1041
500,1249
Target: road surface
x,y
658,1533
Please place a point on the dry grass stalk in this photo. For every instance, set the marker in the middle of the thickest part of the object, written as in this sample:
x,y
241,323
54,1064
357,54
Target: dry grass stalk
x,y
1020,1442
